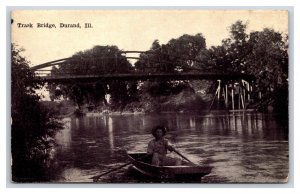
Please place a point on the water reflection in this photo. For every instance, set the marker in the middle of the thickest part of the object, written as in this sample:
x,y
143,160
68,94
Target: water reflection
x,y
110,134
242,147
63,137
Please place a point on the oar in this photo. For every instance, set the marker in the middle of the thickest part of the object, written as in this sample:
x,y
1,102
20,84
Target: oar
x,y
183,156
96,178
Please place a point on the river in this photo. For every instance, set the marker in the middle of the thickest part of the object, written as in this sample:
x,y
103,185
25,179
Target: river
x,y
242,147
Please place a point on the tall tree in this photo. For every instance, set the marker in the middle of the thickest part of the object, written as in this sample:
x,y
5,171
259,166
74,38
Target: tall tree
x,y
185,50
268,61
178,55
268,58
100,60
231,56
33,125
263,54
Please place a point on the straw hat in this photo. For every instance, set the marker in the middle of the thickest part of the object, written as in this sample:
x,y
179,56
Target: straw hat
x,y
164,130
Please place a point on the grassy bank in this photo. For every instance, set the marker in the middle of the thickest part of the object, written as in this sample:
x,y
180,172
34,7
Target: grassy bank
x,y
185,101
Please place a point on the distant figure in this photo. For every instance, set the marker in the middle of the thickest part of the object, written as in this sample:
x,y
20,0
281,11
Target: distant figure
x,y
159,147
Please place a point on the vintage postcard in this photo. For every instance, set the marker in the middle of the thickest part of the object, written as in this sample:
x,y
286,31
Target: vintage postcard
x,y
149,96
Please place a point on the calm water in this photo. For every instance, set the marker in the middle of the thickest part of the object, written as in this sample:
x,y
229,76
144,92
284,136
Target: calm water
x,y
242,147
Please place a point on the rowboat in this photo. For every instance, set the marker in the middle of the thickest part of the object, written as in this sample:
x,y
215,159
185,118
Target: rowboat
x,y
186,171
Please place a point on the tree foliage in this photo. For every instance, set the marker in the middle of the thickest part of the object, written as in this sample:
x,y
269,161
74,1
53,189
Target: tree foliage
x,y
100,60
263,54
178,55
268,59
33,125
231,56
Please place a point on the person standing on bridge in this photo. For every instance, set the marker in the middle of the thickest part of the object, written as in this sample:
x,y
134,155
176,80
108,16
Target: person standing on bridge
x,y
159,146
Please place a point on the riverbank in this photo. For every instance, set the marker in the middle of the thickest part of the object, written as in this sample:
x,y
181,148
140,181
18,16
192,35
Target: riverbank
x,y
186,101
67,109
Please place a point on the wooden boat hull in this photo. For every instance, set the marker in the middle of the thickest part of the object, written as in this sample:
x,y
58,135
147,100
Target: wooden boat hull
x,y
186,171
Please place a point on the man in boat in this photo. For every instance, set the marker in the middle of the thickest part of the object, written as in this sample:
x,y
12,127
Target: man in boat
x,y
158,148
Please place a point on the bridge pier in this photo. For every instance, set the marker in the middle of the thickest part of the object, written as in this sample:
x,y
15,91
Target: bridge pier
x,y
226,96
232,96
240,94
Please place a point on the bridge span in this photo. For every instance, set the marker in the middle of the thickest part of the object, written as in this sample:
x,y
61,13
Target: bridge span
x,y
144,77
237,86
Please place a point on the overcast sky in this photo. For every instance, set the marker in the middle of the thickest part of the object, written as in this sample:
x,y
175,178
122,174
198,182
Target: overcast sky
x,y
128,29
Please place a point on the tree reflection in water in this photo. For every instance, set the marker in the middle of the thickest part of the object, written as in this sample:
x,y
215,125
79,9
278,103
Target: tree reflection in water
x,y
243,147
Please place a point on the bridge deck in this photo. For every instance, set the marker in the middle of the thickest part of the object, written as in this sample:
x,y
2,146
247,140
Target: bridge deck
x,y
146,76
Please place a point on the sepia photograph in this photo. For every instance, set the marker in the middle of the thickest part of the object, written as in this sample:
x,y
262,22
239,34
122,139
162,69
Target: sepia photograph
x,y
170,96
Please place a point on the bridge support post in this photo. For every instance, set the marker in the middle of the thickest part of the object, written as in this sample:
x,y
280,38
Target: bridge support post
x,y
242,93
226,95
242,98
218,91
251,90
232,96
239,96
259,95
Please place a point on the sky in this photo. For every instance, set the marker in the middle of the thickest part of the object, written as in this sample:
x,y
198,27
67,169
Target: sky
x,y
128,29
